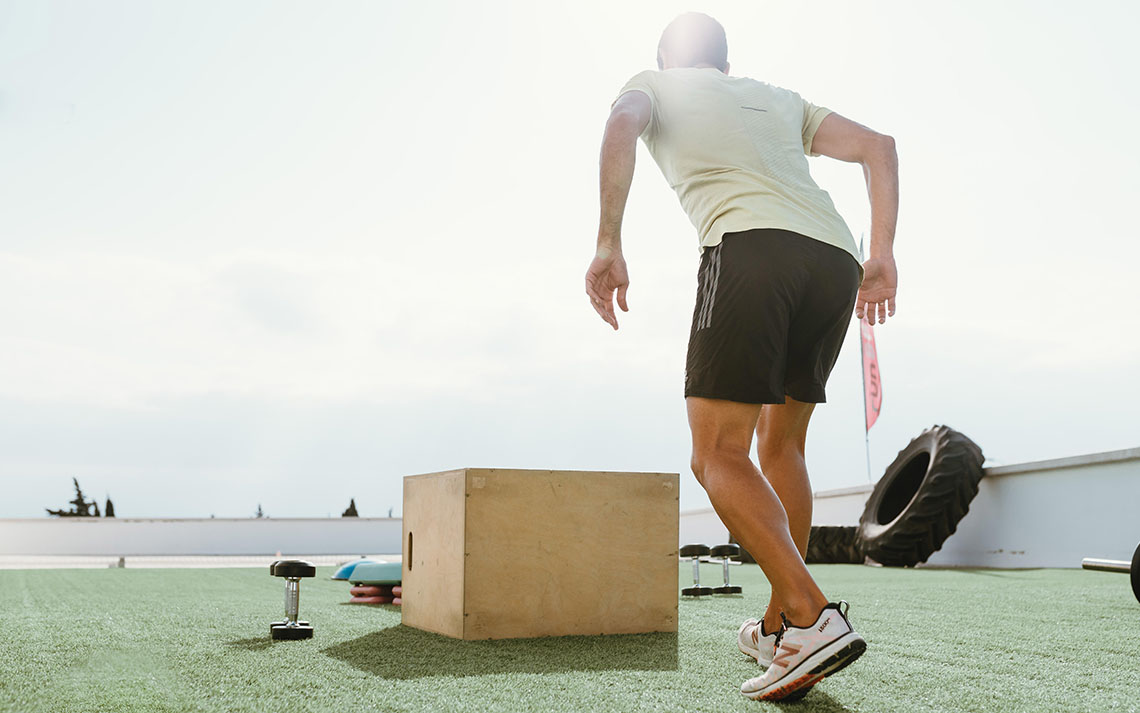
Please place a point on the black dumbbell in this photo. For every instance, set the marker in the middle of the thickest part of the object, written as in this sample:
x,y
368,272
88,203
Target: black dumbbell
x,y
292,571
695,553
724,554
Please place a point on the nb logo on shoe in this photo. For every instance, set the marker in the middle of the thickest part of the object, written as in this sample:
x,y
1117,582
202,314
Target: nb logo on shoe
x,y
785,654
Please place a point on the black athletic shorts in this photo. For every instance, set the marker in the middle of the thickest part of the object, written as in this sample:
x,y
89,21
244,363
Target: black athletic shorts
x,y
772,311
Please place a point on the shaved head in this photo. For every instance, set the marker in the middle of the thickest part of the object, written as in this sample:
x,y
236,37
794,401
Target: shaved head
x,y
693,39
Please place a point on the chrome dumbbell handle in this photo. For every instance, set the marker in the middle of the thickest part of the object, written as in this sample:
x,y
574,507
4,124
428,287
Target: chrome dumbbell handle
x,y
292,600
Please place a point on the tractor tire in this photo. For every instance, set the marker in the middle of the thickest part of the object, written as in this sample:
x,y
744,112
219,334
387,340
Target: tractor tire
x,y
834,544
920,499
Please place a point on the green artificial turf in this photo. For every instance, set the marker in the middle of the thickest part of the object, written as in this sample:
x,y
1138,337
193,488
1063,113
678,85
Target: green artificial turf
x,y
197,640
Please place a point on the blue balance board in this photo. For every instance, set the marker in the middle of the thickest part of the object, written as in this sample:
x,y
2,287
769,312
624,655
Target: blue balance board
x,y
377,573
345,571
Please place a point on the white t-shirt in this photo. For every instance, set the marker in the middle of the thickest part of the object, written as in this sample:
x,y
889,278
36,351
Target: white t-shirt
x,y
735,151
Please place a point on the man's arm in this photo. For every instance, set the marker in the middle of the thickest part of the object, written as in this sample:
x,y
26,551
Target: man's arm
x,y
607,273
843,139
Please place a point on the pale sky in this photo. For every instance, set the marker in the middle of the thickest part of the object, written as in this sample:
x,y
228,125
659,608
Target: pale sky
x,y
289,252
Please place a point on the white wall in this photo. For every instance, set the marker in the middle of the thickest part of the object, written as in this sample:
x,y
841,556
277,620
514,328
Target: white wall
x,y
840,507
703,527
209,536
1050,514
1043,514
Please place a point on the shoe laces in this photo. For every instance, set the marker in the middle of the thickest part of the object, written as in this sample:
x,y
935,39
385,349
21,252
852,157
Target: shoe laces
x,y
783,629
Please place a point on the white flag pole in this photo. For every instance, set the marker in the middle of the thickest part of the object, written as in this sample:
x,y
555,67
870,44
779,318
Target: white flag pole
x,y
866,431
863,374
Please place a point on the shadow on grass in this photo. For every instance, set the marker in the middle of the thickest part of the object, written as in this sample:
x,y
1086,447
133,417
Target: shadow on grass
x,y
817,701
256,644
401,652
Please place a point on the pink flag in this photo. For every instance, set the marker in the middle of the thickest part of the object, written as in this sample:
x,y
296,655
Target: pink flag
x,y
872,387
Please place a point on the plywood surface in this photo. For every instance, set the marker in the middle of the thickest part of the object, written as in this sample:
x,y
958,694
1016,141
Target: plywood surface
x,y
433,563
569,552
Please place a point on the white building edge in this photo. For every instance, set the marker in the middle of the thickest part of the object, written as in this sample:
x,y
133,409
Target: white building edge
x,y
1044,514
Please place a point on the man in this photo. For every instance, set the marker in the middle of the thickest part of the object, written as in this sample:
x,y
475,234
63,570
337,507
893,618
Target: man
x,y
778,279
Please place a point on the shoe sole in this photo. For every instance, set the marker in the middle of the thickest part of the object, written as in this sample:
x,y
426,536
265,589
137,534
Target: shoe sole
x,y
829,660
791,697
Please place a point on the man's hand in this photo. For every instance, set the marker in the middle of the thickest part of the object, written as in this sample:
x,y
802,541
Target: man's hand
x,y
607,274
841,138
877,293
628,118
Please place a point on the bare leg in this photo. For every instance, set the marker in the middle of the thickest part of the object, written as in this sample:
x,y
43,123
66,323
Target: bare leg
x,y
746,502
781,435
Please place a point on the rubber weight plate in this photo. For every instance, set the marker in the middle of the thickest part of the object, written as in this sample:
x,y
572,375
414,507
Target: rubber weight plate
x,y
290,633
726,551
695,551
293,568
1135,574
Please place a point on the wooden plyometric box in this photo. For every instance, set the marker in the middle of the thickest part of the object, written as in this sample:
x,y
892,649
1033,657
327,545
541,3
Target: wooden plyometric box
x,y
497,554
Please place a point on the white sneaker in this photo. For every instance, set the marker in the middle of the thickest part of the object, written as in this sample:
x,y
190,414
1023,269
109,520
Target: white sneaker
x,y
806,655
752,640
